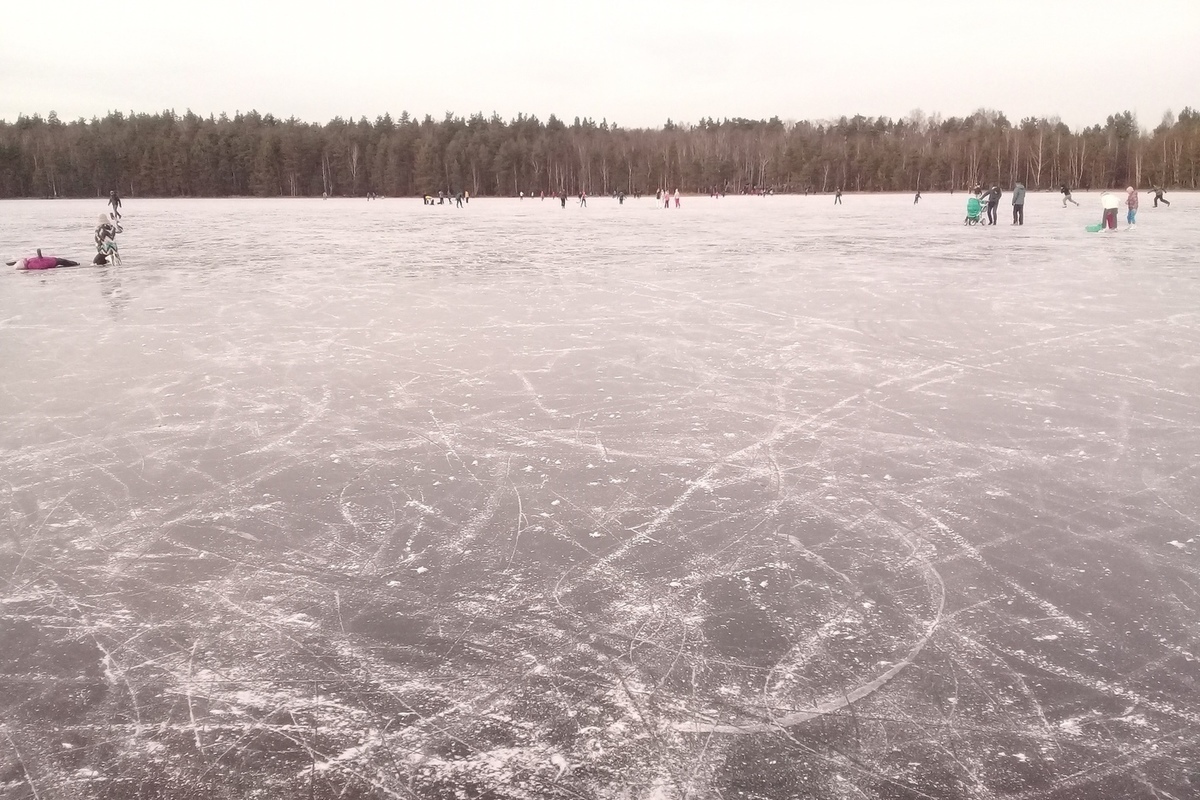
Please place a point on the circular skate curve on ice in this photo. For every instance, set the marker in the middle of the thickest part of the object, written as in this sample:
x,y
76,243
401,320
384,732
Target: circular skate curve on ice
x,y
938,597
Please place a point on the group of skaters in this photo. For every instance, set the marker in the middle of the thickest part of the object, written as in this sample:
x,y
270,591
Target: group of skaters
x,y
108,225
989,199
445,198
1111,203
562,196
983,203
1157,191
460,198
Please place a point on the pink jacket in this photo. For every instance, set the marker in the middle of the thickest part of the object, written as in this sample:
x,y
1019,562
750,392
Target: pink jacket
x,y
45,262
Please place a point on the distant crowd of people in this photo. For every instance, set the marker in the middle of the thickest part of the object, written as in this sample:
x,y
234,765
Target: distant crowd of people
x,y
988,199
982,206
461,198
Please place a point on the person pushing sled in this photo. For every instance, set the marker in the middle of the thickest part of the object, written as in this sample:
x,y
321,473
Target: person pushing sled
x,y
1110,203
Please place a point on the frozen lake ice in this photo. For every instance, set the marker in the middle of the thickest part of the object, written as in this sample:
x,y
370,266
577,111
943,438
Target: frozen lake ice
x,y
761,497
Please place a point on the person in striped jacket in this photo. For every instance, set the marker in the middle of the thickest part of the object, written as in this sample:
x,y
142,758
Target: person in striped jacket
x,y
106,241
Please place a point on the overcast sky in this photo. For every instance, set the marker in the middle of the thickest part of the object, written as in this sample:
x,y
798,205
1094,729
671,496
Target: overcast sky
x,y
636,63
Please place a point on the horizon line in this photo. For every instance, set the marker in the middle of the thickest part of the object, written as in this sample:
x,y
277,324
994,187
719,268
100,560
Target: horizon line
x,y
926,118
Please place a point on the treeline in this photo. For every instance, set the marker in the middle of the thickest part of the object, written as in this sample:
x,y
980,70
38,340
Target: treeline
x,y
168,155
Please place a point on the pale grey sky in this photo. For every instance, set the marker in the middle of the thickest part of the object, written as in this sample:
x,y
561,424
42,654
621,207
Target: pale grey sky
x,y
636,63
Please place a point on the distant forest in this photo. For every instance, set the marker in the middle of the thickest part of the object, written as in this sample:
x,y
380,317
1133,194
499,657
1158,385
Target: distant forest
x,y
169,155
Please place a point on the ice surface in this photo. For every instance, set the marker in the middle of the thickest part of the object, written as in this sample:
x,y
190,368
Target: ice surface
x,y
758,497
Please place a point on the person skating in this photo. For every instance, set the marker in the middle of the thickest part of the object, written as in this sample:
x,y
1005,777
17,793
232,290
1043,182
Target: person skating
x,y
1066,193
115,202
837,196
1131,202
1018,204
1158,195
917,198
